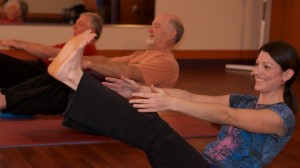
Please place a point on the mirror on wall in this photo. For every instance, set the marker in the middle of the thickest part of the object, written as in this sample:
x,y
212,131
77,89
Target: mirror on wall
x,y
112,11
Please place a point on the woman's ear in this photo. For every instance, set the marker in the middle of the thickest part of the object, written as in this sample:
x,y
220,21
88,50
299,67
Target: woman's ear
x,y
288,74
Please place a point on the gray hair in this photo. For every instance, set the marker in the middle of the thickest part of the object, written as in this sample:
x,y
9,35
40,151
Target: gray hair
x,y
179,28
96,22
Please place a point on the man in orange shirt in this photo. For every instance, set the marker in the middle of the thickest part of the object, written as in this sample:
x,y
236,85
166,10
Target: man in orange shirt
x,y
156,65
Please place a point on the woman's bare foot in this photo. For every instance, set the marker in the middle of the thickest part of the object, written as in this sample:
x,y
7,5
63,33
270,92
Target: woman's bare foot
x,y
66,66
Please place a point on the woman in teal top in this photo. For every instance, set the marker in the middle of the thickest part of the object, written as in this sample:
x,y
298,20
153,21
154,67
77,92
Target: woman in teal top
x,y
236,147
254,129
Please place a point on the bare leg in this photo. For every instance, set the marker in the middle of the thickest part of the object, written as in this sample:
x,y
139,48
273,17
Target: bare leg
x,y
66,66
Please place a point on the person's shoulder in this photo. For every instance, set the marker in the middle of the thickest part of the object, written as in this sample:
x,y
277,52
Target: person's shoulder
x,y
242,100
90,49
287,115
281,108
244,96
160,55
91,46
10,22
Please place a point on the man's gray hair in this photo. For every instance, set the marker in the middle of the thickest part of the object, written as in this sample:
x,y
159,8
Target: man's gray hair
x,y
178,26
96,22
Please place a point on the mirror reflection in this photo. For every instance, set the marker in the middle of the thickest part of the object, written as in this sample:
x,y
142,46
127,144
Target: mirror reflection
x,y
13,11
112,11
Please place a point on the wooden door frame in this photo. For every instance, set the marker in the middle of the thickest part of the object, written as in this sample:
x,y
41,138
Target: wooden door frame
x,y
285,23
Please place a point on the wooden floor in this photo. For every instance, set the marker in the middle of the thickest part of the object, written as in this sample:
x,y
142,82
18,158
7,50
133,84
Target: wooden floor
x,y
118,155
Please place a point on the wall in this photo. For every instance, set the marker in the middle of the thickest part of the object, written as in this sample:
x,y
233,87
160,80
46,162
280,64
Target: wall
x,y
209,24
217,24
285,22
50,6
113,37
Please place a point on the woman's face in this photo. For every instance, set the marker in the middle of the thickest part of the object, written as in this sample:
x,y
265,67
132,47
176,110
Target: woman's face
x,y
268,74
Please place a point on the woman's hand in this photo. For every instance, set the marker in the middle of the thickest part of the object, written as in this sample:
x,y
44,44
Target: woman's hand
x,y
157,100
124,86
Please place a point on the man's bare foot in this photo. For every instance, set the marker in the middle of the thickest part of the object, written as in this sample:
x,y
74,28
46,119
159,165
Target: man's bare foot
x,y
66,66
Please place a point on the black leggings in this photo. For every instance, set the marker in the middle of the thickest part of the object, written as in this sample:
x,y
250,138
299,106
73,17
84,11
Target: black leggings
x,y
40,95
97,109
14,71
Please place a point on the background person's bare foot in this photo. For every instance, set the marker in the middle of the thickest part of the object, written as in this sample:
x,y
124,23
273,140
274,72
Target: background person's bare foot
x,y
66,66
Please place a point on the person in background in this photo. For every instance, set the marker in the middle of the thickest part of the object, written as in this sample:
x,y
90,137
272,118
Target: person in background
x,y
15,12
254,128
21,80
2,13
155,65
14,71
158,58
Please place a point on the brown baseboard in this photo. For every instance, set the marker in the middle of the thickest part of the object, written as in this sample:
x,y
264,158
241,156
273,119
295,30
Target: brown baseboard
x,y
216,54
212,63
196,54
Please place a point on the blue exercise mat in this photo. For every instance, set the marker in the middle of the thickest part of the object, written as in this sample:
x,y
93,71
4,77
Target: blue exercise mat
x,y
7,115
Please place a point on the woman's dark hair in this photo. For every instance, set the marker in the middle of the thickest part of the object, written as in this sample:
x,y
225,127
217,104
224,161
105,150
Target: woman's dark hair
x,y
288,58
